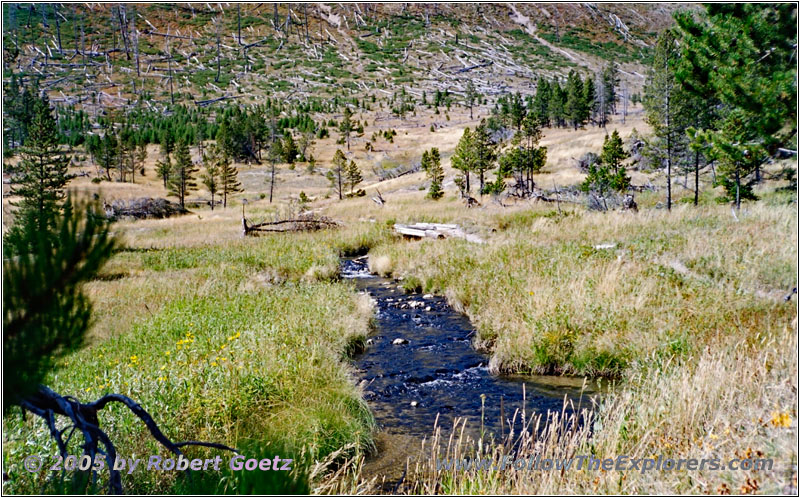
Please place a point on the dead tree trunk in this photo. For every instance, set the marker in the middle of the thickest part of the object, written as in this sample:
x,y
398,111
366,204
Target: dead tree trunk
x,y
305,14
123,29
169,65
216,25
239,20
58,31
136,46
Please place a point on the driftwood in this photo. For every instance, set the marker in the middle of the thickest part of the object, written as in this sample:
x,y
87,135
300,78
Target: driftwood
x,y
301,224
46,404
435,231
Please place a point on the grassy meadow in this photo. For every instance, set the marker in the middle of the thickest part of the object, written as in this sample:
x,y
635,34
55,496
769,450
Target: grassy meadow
x,y
224,341
686,311
234,340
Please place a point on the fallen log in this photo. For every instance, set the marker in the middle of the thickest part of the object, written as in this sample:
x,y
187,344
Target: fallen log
x,y
470,68
291,225
204,103
435,231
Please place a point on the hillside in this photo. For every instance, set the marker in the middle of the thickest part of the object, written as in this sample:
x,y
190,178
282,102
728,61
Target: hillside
x,y
101,54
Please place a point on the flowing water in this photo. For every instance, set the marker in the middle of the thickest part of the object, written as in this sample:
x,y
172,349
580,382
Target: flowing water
x,y
420,363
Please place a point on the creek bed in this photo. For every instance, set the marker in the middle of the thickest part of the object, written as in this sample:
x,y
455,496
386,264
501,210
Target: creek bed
x,y
437,371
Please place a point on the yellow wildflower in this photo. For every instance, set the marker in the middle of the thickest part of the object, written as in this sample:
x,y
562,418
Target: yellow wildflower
x,y
781,419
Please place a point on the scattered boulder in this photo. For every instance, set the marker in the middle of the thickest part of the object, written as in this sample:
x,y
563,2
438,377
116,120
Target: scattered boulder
x,y
399,341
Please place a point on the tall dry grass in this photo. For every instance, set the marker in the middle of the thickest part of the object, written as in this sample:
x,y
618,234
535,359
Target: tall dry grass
x,y
685,309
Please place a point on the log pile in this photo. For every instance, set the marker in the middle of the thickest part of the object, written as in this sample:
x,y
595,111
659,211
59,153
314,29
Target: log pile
x,y
142,208
435,231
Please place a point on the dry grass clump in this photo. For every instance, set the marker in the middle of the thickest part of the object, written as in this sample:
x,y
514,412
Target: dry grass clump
x,y
548,297
733,403
685,308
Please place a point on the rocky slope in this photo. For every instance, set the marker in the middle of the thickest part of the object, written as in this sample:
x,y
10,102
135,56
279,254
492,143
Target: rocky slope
x,y
106,55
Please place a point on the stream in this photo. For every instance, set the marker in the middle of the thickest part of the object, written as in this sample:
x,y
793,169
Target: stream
x,y
437,371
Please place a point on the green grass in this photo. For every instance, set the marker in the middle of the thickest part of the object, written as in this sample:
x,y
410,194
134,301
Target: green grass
x,y
251,342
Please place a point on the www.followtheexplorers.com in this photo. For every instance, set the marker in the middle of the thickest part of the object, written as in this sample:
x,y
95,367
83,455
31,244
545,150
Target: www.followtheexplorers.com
x,y
588,462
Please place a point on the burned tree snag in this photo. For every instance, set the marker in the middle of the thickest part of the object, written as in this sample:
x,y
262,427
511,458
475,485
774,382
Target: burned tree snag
x,y
58,31
216,26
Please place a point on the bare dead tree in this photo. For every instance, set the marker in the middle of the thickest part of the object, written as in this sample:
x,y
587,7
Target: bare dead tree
x,y
305,15
216,28
58,30
239,20
136,43
123,29
169,65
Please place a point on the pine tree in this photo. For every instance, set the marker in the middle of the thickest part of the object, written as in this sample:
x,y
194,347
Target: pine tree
x,y
335,175
290,151
541,103
556,107
224,139
470,96
41,176
752,74
46,313
435,172
524,158
608,173
109,152
164,170
485,151
228,174
353,174
425,161
181,180
211,178
664,105
612,156
610,82
517,111
346,126
589,104
464,158
574,106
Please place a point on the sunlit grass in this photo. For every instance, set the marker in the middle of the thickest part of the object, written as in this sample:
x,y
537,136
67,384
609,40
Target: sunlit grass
x,y
241,339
